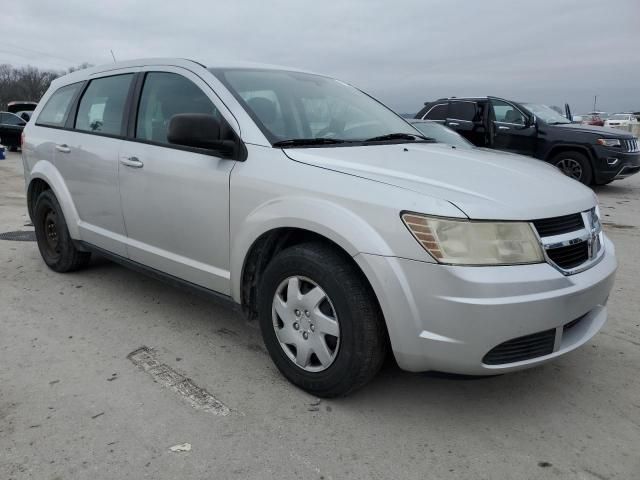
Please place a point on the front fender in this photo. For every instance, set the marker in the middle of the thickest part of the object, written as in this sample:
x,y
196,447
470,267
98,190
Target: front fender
x,y
340,225
45,170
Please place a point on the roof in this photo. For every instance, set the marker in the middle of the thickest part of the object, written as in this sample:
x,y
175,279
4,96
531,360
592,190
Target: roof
x,y
174,62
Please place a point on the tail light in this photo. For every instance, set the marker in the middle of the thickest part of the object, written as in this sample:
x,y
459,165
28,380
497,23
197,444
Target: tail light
x,y
22,140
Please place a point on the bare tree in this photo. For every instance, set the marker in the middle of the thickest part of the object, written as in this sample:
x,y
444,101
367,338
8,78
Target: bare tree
x,y
27,83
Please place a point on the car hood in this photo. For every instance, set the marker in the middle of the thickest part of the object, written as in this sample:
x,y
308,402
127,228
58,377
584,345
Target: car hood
x,y
609,132
483,184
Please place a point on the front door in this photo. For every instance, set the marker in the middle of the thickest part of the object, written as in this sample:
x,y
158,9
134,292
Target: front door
x,y
175,200
512,130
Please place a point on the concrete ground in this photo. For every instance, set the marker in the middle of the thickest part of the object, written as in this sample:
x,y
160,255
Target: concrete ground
x,y
73,406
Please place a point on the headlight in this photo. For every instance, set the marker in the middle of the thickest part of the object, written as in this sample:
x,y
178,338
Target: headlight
x,y
608,142
463,242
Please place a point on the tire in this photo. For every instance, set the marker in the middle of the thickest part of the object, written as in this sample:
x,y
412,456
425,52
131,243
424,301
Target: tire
x,y
357,351
575,165
54,242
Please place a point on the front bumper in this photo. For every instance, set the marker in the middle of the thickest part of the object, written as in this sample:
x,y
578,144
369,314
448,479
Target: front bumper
x,y
612,164
448,318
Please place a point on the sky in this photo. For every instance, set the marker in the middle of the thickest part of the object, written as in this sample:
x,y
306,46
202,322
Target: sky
x,y
403,52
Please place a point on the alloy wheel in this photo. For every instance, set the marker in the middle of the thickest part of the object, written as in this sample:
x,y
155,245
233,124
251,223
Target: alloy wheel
x,y
570,168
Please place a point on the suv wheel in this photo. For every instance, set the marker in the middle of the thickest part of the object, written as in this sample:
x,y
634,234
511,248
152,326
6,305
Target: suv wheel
x,y
54,242
320,321
574,165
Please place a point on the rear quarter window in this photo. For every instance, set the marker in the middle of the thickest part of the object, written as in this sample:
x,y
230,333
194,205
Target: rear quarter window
x,y
57,108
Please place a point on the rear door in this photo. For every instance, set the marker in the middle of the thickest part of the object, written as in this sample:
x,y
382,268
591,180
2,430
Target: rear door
x,y
176,199
87,157
512,130
465,117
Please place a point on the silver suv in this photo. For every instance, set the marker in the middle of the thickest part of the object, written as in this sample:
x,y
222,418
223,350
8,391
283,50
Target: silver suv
x,y
320,212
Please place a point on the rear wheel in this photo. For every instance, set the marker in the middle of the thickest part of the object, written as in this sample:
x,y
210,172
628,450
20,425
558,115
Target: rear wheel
x,y
320,321
574,165
54,242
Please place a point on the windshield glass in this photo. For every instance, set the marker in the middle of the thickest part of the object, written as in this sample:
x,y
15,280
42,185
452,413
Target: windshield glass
x,y
545,113
619,116
442,134
291,105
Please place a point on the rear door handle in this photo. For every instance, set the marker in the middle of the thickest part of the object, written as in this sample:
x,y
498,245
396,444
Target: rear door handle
x,y
63,148
454,124
502,127
133,162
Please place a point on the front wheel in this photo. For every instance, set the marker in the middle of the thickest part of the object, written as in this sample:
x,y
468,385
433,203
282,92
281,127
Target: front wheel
x,y
320,321
574,165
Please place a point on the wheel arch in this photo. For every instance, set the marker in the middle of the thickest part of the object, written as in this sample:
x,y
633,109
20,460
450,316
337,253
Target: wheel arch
x,y
273,227
568,147
45,176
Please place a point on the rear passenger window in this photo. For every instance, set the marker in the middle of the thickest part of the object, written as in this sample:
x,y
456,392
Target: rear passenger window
x,y
102,105
462,111
163,96
437,112
57,107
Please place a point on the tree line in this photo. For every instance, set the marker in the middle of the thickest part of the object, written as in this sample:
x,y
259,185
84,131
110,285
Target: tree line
x,y
27,83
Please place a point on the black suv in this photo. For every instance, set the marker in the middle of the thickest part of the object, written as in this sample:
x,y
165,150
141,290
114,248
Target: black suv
x,y
592,155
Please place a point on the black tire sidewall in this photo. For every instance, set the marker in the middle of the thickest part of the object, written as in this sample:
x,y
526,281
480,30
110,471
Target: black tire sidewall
x,y
47,201
337,376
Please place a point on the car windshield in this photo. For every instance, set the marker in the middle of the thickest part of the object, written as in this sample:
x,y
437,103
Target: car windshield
x,y
442,134
292,106
619,116
545,113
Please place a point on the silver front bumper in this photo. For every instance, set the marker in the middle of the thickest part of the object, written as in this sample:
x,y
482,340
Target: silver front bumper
x,y
448,318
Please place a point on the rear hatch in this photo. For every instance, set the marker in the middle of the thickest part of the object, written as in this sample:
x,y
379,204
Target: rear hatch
x,y
21,106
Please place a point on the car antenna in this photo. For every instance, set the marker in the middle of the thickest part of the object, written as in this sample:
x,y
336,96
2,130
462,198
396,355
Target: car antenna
x,y
114,57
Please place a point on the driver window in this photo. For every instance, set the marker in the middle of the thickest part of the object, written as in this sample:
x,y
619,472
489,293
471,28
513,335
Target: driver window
x,y
163,96
506,113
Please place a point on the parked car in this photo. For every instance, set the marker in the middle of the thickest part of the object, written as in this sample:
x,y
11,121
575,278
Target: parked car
x,y
320,213
618,120
591,155
22,108
592,120
11,126
441,134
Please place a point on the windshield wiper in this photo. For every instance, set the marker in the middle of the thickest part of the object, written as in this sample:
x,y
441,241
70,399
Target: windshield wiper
x,y
301,142
399,136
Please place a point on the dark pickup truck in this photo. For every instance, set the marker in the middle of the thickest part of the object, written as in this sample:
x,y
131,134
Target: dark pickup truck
x,y
592,155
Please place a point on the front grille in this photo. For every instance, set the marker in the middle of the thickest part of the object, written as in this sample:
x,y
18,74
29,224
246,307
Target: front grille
x,y
631,146
522,348
547,227
570,256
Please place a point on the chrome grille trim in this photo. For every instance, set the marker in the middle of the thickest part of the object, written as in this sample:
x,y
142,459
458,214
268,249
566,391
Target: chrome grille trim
x,y
591,233
631,146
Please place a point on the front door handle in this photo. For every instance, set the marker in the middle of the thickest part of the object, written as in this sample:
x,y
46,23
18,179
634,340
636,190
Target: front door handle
x,y
133,162
63,148
454,124
502,127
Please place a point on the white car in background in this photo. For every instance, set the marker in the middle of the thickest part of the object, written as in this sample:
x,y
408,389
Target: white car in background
x,y
618,120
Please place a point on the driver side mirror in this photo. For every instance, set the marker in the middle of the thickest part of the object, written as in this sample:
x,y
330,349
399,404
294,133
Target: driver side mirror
x,y
198,130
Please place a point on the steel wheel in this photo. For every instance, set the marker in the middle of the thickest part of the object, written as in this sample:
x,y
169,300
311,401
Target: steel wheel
x,y
570,167
306,324
50,228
